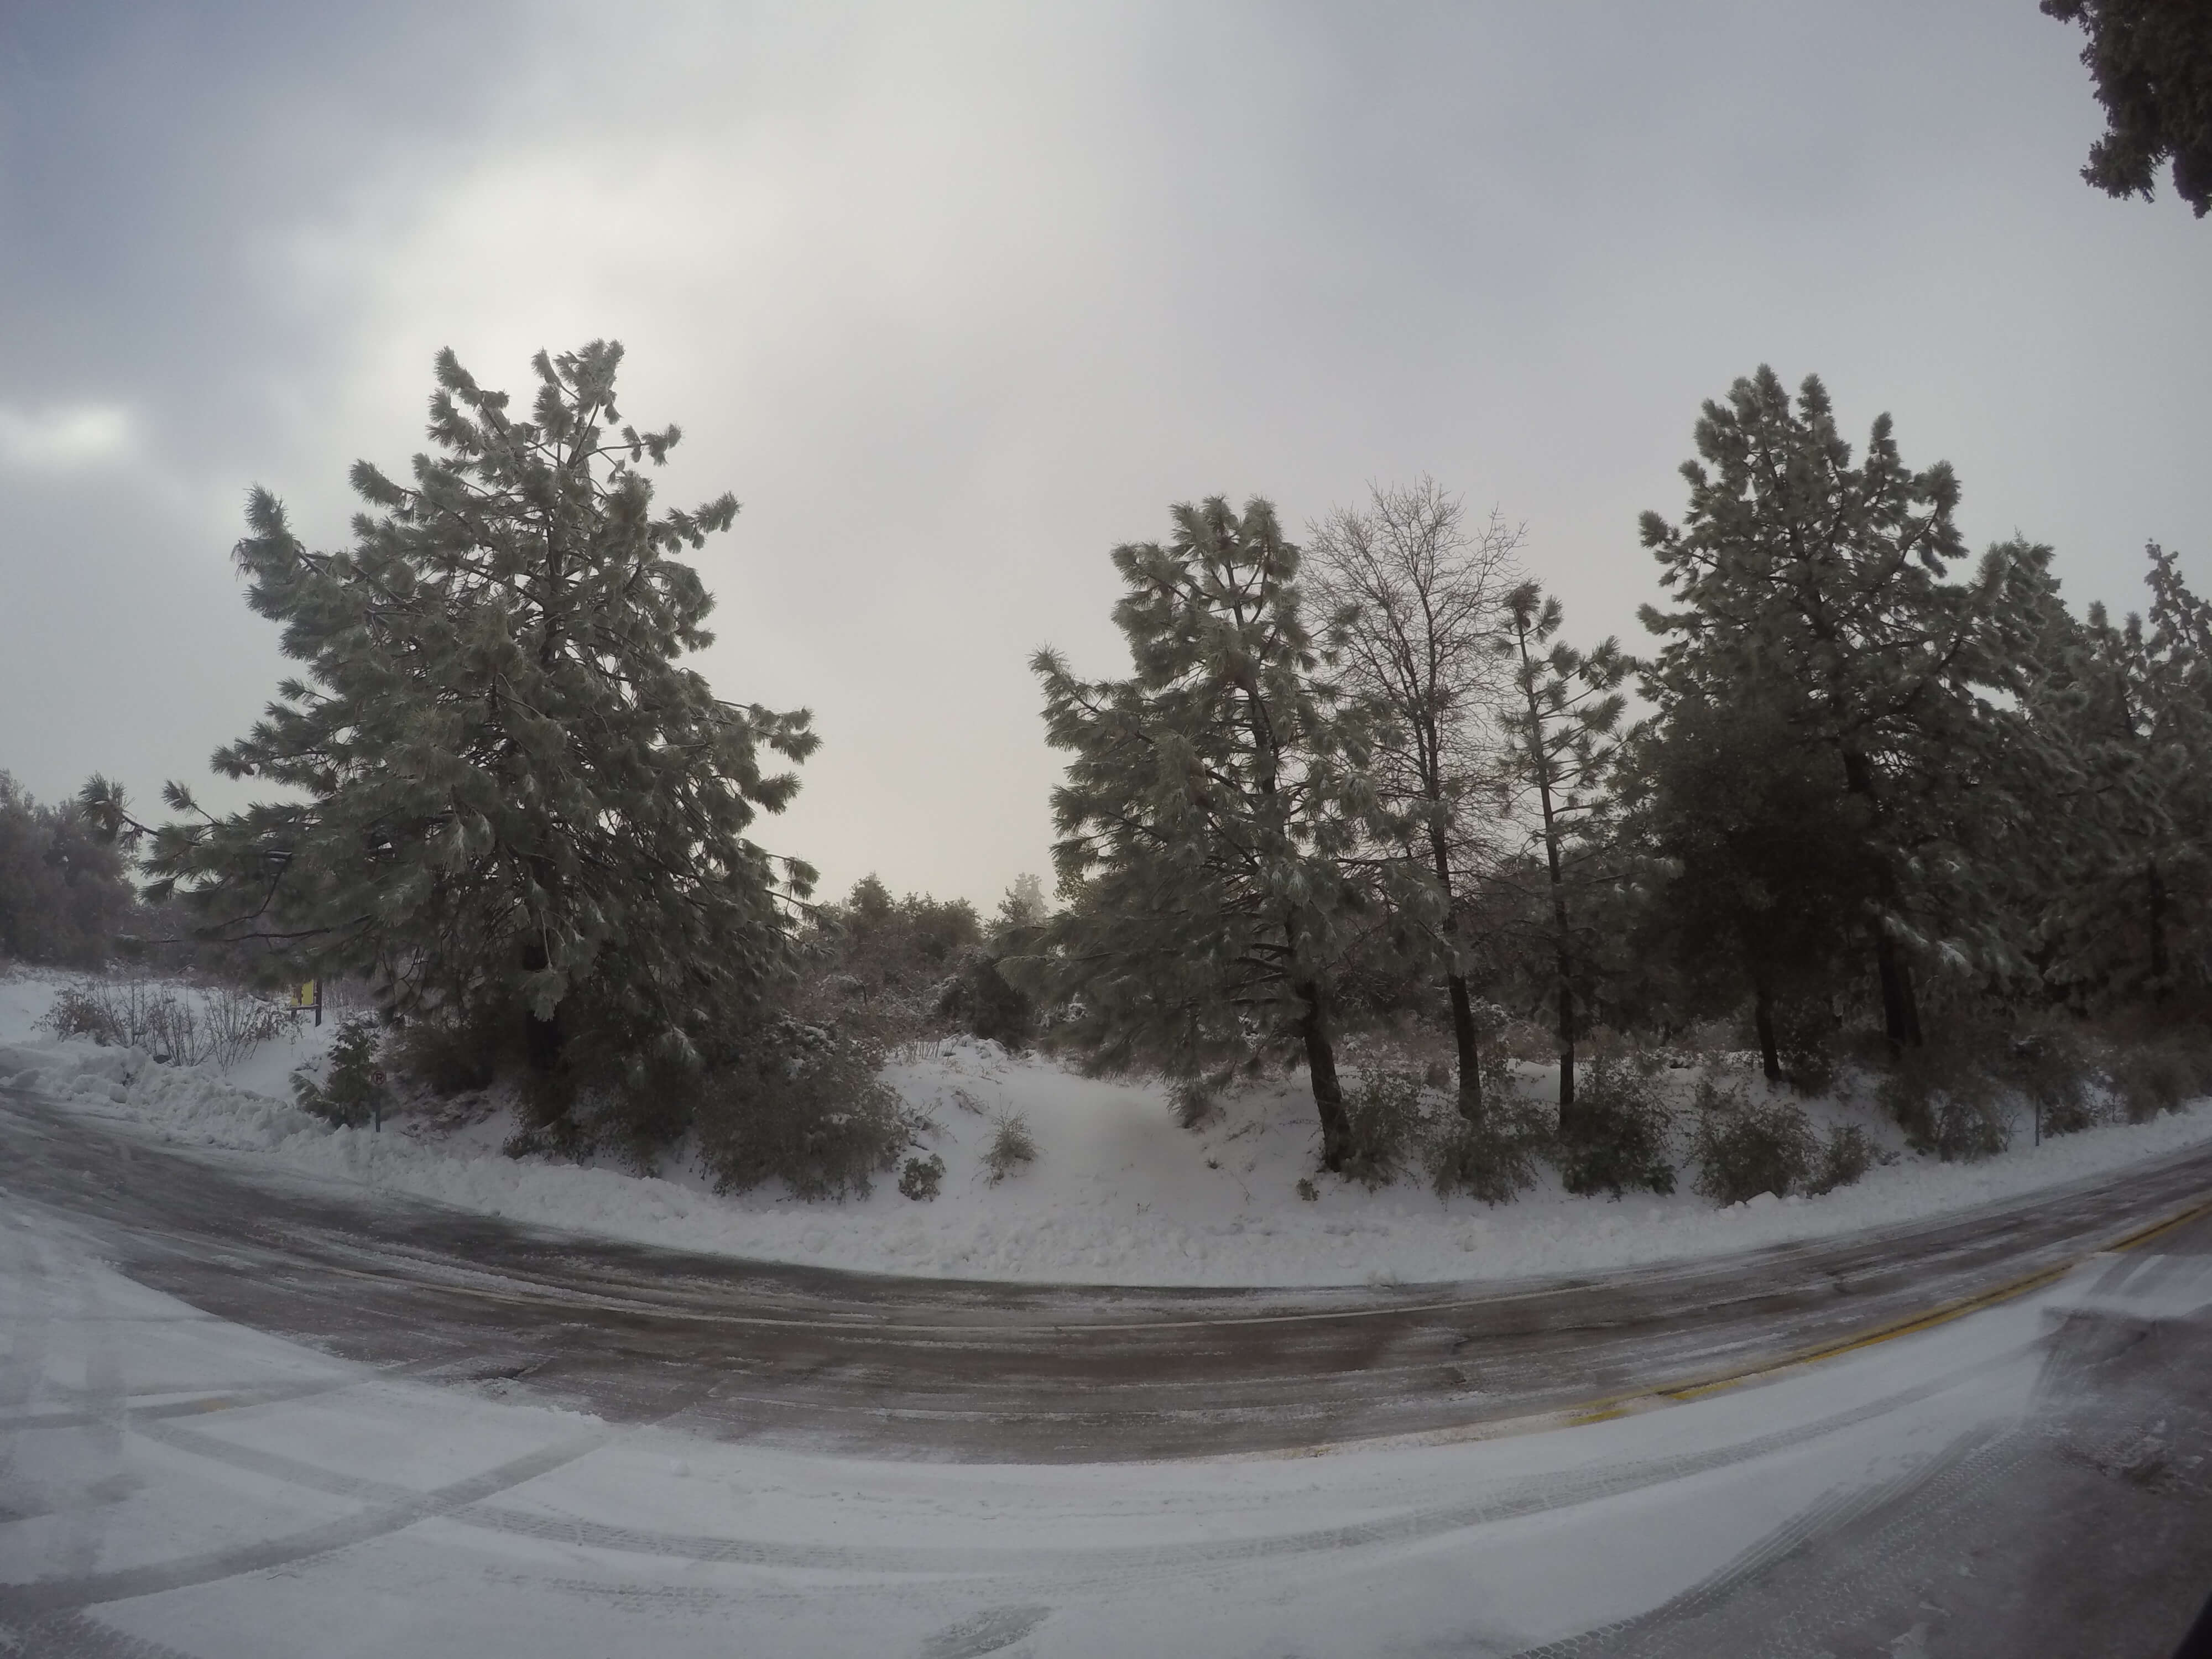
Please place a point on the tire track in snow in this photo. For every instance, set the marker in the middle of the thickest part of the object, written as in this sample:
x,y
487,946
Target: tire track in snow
x,y
19,1603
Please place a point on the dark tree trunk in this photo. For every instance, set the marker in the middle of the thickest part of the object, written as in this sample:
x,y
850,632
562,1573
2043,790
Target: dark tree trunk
x,y
1540,766
1463,1007
1328,1093
541,1038
1762,1014
1566,1036
1470,1062
1900,1011
2160,983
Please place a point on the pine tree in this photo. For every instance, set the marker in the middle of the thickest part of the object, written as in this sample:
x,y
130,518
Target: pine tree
x,y
502,792
2177,699
1753,873
1211,821
1416,605
2119,859
1571,707
1819,585
2152,63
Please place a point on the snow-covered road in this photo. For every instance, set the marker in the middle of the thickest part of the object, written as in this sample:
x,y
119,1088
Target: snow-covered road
x,y
2031,1478
176,1484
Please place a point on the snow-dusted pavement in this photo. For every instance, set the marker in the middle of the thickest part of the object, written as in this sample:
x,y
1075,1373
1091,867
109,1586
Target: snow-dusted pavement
x,y
359,1426
2027,1480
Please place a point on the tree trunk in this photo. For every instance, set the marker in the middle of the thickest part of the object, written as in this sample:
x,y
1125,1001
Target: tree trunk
x,y
1463,1007
1900,1011
1328,1093
2161,985
1540,765
1470,1062
1566,1040
1762,1014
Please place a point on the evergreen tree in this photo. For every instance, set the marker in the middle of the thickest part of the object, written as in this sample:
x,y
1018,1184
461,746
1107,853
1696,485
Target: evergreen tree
x,y
502,792
2152,62
2126,711
1752,874
1817,586
64,896
1570,705
1417,606
1211,821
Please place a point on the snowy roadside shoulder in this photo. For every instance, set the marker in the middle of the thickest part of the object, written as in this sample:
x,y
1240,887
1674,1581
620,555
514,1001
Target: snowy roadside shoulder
x,y
1118,1193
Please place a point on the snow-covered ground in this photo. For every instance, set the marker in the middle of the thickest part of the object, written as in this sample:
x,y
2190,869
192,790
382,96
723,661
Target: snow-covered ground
x,y
1119,1193
170,1479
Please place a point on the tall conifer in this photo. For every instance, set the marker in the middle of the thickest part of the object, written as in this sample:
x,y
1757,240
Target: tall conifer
x,y
1213,818
1818,584
500,792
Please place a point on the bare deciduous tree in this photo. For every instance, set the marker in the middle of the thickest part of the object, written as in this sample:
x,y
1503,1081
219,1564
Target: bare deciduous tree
x,y
1417,602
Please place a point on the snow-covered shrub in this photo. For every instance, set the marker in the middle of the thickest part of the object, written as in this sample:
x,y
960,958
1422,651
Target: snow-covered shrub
x,y
805,1106
1847,1157
978,998
1384,1125
185,1024
1193,1101
2051,1066
1743,1147
1493,1158
352,1091
1614,1137
2161,1071
1805,1043
1948,1102
1012,1146
919,1178
452,1056
78,1011
2149,1079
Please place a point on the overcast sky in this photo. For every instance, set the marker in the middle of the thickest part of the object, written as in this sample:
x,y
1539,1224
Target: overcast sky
x,y
956,298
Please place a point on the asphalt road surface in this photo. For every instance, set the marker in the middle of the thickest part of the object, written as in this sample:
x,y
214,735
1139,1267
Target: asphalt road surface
x,y
2086,1528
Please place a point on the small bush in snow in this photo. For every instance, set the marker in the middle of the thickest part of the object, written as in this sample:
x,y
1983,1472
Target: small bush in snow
x,y
1847,1157
1012,1147
1383,1125
351,1092
1805,1043
1193,1101
2150,1079
77,1012
1949,1104
1743,1147
451,1056
920,1177
2051,1066
985,1004
1494,1159
1306,1190
806,1106
184,1024
1614,1138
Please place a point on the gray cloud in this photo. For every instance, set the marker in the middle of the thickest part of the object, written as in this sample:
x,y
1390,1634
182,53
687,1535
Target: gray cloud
x,y
954,299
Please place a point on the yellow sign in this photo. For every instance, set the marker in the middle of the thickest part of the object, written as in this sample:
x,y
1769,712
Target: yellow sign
x,y
307,995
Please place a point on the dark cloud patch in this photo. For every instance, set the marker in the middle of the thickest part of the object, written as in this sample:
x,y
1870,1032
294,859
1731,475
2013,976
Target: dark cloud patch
x,y
956,297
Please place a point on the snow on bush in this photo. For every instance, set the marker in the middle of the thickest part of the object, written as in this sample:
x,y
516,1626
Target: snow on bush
x,y
1119,1193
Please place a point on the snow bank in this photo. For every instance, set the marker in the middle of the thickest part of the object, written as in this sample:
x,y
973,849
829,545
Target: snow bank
x,y
1119,1195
